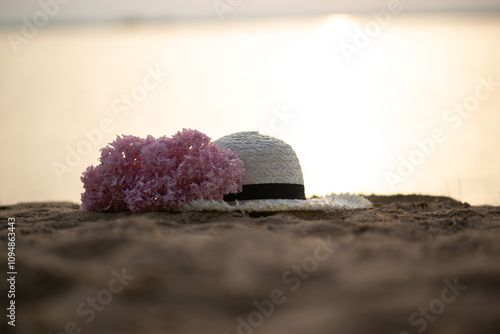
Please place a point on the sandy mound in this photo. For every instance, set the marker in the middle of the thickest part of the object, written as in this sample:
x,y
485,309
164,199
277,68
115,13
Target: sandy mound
x,y
410,264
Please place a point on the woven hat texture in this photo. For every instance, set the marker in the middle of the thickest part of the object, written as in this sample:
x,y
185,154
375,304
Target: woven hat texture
x,y
328,203
271,165
266,159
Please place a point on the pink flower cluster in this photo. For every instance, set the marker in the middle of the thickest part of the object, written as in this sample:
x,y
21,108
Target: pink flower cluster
x,y
160,174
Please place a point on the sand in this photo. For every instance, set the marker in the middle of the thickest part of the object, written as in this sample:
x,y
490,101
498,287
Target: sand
x,y
410,264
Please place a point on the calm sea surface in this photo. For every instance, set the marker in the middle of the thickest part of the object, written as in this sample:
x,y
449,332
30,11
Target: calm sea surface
x,y
406,104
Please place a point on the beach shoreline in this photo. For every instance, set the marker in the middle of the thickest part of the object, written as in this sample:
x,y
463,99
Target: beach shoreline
x,y
408,264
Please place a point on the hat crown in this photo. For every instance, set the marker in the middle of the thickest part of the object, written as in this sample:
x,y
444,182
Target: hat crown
x,y
266,159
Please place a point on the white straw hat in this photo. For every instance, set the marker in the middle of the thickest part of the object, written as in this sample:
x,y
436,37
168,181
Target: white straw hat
x,y
273,180
272,169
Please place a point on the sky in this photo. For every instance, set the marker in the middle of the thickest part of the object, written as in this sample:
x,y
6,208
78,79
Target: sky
x,y
11,11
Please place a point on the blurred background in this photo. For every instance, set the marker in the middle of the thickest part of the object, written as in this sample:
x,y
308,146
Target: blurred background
x,y
375,96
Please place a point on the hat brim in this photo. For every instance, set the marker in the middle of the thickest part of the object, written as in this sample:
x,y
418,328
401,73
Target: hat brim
x,y
328,203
